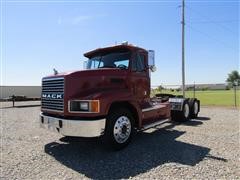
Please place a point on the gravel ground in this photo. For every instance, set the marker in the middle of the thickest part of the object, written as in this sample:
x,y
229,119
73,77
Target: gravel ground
x,y
207,147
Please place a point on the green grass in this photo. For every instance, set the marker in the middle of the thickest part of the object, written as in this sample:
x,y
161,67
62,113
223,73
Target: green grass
x,y
210,97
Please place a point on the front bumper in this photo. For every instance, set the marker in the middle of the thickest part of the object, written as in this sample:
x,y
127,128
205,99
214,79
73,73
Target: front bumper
x,y
77,128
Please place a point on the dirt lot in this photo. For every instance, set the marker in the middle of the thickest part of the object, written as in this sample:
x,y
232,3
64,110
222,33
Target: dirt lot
x,y
207,147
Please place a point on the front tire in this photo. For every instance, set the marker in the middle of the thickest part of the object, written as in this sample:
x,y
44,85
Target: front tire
x,y
119,128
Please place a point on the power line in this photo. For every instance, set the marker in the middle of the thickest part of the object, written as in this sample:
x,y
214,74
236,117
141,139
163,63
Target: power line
x,y
220,22
210,37
210,20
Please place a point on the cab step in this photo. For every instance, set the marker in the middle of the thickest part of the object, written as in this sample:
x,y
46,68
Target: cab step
x,y
152,125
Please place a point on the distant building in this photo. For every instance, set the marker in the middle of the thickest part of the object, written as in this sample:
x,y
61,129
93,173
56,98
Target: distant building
x,y
219,86
28,91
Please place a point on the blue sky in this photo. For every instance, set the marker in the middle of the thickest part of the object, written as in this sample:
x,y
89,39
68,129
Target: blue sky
x,y
40,36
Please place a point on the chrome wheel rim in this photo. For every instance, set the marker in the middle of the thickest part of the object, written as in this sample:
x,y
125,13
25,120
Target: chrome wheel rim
x,y
195,108
122,129
186,110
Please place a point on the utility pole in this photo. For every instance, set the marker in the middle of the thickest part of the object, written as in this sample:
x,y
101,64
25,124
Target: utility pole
x,y
183,49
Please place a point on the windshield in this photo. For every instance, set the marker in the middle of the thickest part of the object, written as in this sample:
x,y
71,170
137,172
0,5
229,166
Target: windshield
x,y
111,60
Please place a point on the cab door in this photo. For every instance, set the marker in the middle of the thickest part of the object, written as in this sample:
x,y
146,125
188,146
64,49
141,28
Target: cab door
x,y
140,78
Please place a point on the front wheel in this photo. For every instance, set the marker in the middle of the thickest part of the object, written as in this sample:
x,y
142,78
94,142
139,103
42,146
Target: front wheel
x,y
119,128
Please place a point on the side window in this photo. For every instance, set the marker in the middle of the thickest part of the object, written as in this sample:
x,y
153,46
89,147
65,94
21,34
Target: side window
x,y
143,59
140,63
134,63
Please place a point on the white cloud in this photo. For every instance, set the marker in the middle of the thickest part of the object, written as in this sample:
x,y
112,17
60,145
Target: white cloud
x,y
78,19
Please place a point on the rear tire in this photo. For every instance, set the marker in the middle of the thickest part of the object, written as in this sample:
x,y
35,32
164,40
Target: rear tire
x,y
183,115
119,128
194,108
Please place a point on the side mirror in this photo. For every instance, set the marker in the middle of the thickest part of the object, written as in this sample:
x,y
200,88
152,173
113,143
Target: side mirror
x,y
85,64
152,68
151,60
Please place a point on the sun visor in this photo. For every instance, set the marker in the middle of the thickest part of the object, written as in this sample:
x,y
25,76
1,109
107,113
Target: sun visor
x,y
102,51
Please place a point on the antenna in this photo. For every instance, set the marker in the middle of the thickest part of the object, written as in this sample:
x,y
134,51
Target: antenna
x,y
183,49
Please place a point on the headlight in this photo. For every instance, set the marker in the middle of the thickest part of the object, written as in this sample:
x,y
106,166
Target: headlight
x,y
83,106
92,106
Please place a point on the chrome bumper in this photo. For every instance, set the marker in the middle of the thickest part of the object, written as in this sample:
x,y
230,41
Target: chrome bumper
x,y
78,128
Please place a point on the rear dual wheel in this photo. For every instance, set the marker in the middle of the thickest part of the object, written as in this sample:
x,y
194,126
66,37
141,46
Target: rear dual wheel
x,y
183,115
195,106
190,109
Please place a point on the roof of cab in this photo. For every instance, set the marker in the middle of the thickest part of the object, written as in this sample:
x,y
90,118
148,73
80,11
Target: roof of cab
x,y
112,48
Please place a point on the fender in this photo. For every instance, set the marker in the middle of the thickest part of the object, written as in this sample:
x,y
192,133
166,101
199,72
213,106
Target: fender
x,y
107,98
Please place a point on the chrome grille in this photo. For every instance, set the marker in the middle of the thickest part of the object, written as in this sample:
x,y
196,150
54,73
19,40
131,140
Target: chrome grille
x,y
53,94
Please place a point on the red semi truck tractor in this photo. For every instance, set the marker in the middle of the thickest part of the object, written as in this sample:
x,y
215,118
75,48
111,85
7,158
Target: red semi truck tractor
x,y
110,98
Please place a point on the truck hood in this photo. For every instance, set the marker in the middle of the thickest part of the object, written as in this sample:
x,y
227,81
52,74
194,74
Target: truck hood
x,y
86,84
88,71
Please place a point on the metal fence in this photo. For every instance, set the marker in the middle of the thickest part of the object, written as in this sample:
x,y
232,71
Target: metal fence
x,y
195,90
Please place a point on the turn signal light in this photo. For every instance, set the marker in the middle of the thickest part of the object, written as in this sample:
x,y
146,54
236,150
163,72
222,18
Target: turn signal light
x,y
95,106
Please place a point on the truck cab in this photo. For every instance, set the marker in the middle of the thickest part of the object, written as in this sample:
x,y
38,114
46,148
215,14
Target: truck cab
x,y
110,98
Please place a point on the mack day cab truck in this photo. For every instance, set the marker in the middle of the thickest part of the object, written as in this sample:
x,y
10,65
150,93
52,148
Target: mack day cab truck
x,y
111,98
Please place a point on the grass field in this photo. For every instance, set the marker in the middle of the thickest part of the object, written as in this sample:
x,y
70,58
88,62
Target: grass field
x,y
210,97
